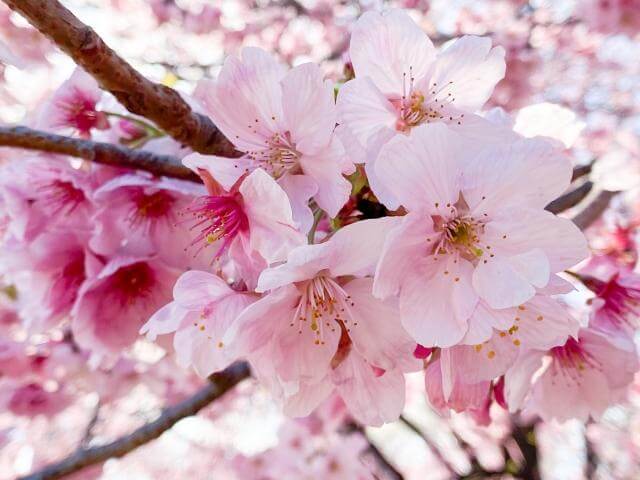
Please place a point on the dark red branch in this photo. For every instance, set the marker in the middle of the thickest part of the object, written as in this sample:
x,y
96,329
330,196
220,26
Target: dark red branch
x,y
105,153
218,385
159,103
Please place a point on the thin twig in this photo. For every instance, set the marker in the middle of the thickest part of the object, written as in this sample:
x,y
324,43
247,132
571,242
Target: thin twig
x,y
593,210
385,466
570,199
433,448
390,471
218,385
88,432
105,153
581,171
159,103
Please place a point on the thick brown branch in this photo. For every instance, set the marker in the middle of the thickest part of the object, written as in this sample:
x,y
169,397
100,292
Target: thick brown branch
x,y
570,199
105,153
218,385
593,210
139,95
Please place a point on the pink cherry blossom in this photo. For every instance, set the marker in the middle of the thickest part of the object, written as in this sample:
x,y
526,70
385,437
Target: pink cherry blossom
x,y
461,379
112,306
616,305
576,380
32,399
283,122
203,309
53,268
476,228
540,323
137,213
252,221
317,328
45,194
402,81
73,107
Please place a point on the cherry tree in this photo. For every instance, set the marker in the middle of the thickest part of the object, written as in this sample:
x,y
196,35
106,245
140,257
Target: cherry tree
x,y
317,239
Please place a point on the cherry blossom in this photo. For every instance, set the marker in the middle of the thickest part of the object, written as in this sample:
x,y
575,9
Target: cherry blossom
x,y
112,306
617,293
576,380
139,214
73,107
203,309
252,221
402,82
283,122
314,328
462,239
374,248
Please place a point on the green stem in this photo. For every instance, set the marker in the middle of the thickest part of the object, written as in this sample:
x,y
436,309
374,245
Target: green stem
x,y
150,129
317,216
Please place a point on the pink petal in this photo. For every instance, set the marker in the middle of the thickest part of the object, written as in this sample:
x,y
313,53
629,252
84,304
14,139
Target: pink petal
x,y
473,67
372,400
404,244
379,336
194,289
422,170
271,227
434,307
309,108
390,48
300,189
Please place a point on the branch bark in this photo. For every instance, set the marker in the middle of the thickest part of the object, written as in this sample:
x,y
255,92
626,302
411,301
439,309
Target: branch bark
x,y
218,385
160,104
593,210
570,199
581,171
105,153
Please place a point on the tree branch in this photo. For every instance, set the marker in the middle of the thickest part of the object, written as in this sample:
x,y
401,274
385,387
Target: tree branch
x,y
385,466
161,104
88,431
218,385
581,171
593,210
105,153
390,471
570,199
433,448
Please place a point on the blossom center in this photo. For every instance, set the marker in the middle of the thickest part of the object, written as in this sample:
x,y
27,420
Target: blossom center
x,y
217,217
80,113
147,209
571,359
64,289
458,235
416,106
132,282
279,156
323,305
61,196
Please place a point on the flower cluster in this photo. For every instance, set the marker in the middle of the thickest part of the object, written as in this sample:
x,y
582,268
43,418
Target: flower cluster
x,y
458,272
